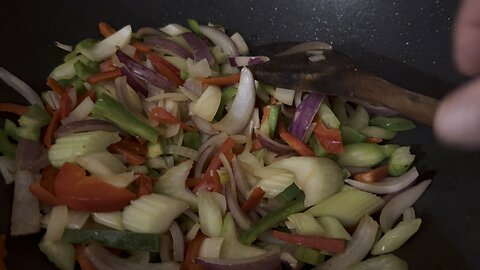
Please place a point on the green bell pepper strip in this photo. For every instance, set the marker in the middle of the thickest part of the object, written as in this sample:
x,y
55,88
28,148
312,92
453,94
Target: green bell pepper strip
x,y
107,107
392,123
227,95
273,118
191,139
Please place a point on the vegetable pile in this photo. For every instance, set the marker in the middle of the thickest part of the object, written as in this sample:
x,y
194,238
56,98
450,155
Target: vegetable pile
x,y
158,149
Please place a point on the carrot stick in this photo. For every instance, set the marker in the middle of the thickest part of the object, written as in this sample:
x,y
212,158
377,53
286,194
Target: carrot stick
x,y
52,126
253,200
105,29
13,108
131,157
55,86
66,105
82,259
222,81
373,175
160,65
43,195
141,47
104,76
162,115
294,142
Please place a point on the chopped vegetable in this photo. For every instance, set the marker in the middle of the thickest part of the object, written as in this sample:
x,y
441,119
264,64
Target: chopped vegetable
x,y
60,253
396,237
400,161
304,224
392,123
317,242
361,155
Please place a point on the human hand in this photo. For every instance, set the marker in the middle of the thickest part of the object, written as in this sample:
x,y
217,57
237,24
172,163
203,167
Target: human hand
x,y
457,120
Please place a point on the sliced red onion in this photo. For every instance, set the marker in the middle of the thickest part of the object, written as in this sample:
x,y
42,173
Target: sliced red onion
x,y
138,85
7,169
305,113
242,107
178,242
220,39
267,261
272,145
20,86
167,45
165,247
395,207
240,61
357,248
388,185
102,259
306,46
199,48
375,109
202,159
143,72
25,207
85,125
28,154
203,125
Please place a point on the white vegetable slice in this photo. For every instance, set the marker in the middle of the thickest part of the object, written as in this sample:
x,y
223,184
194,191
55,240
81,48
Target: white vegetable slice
x,y
57,223
107,47
396,237
110,219
207,105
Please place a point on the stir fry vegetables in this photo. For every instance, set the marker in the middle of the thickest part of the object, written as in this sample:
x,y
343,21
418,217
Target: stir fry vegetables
x,y
157,149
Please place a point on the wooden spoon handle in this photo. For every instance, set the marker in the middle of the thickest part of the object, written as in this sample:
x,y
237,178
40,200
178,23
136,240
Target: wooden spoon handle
x,y
379,91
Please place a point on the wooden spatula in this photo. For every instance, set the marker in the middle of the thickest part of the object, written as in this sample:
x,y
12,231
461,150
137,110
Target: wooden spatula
x,y
337,75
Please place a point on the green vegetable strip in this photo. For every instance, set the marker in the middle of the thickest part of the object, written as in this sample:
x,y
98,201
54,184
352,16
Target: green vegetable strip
x,y
339,110
361,155
393,123
359,119
115,239
400,161
262,94
316,147
191,140
388,149
309,255
227,95
350,135
271,220
31,123
194,26
273,118
6,147
11,129
378,132
328,117
107,107
289,194
184,75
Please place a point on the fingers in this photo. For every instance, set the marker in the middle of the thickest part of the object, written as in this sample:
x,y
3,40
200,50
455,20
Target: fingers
x,y
467,38
457,119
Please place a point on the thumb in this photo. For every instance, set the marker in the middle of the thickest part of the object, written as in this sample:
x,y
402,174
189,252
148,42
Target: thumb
x,y
457,119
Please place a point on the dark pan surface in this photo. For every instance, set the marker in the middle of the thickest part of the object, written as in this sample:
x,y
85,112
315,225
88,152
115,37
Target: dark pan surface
x,y
407,42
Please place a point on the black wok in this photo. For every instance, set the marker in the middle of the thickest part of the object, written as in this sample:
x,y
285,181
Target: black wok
x,y
406,42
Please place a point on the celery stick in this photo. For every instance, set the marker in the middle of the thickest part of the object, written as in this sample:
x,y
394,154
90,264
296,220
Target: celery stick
x,y
6,147
210,213
347,206
328,117
316,147
31,123
269,221
389,149
194,26
108,107
333,228
273,118
396,237
392,123
382,262
289,194
309,255
339,110
11,129
378,132
361,155
350,135
304,224
400,161
191,139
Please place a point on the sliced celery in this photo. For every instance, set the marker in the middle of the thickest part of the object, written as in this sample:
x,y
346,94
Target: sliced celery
x,y
382,262
328,117
361,155
227,95
348,206
102,164
378,132
316,147
273,118
333,228
232,248
389,149
219,55
396,237
304,224
289,194
276,184
359,118
309,255
339,110
210,213
400,161
111,219
211,247
392,123
208,104
172,183
82,71
350,135
107,107
67,148
67,69
32,121
60,253
152,213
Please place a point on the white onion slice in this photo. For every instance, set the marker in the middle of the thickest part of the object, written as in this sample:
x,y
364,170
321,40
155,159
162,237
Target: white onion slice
x,y
204,125
25,207
178,242
7,169
243,104
63,46
240,43
57,223
240,181
80,112
395,207
202,160
52,99
388,185
220,39
357,248
408,214
20,86
181,151
306,46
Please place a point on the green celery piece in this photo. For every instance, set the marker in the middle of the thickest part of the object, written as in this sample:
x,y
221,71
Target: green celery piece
x,y
392,123
67,69
11,129
396,237
378,132
262,94
316,147
85,44
389,149
71,55
194,26
219,56
79,86
227,95
273,118
400,161
67,82
231,247
328,117
269,221
59,253
107,107
269,89
339,110
31,123
191,139
361,155
93,67
309,255
184,75
359,119
350,135
82,71
7,147
113,238
154,149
